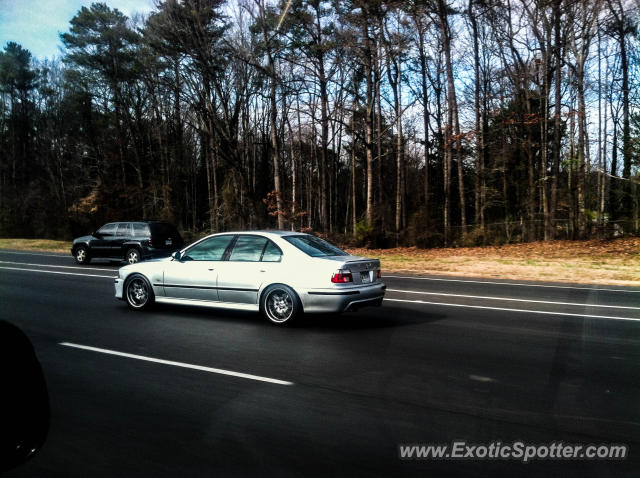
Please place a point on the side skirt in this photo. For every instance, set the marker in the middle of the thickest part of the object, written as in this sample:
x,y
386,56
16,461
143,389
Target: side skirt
x,y
208,303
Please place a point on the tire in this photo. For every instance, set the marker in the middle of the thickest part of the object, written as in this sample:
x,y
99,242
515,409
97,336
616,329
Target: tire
x,y
280,304
138,292
132,256
82,255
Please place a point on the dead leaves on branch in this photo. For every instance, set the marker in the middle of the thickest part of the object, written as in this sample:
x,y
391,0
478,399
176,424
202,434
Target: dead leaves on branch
x,y
291,211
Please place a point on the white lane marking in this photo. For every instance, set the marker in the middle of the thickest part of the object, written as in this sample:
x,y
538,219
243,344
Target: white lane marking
x,y
179,364
56,272
513,283
526,311
512,299
60,254
481,378
57,267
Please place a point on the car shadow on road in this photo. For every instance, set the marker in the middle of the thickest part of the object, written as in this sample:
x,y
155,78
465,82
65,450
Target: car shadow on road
x,y
366,318
369,318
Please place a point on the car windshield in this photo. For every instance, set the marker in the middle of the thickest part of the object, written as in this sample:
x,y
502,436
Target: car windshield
x,y
314,246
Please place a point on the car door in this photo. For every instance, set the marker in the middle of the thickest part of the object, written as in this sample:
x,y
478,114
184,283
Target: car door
x,y
251,261
195,275
101,242
123,234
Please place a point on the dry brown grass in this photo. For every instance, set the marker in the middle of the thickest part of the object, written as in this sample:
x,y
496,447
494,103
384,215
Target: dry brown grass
x,y
615,262
42,245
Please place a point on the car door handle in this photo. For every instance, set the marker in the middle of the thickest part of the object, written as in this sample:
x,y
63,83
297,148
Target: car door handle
x,y
262,270
211,269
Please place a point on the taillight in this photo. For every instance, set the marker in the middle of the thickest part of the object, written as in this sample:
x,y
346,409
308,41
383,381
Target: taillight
x,y
341,276
379,274
150,243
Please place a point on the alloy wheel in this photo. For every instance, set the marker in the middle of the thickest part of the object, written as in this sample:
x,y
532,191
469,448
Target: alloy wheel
x,y
81,255
279,305
137,293
133,256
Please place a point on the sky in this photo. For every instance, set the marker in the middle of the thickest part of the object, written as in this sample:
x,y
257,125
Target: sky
x,y
36,24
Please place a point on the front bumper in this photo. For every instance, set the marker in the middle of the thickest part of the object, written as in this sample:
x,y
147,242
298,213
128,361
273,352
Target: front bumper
x,y
119,285
341,300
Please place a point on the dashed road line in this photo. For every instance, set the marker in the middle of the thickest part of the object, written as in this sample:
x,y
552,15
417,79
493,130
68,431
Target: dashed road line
x,y
179,364
465,296
526,311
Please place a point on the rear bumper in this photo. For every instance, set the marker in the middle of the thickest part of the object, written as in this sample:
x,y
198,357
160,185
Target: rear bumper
x,y
333,300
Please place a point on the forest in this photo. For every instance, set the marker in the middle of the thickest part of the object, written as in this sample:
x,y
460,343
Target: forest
x,y
377,123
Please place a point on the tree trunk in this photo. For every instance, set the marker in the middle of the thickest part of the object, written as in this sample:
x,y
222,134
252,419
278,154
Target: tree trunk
x,y
369,121
555,167
273,117
453,121
580,180
425,115
354,219
627,151
324,139
479,132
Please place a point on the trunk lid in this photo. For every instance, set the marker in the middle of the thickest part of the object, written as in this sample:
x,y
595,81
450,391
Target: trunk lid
x,y
363,270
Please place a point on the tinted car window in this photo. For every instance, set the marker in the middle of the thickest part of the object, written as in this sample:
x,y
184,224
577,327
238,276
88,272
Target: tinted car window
x,y
272,253
124,229
248,248
140,229
211,249
108,229
314,246
163,229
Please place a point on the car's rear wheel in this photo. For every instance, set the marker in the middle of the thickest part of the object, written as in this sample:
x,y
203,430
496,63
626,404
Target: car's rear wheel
x,y
280,304
132,256
138,292
82,255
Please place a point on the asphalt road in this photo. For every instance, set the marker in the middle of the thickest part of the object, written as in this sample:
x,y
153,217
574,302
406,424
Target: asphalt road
x,y
443,359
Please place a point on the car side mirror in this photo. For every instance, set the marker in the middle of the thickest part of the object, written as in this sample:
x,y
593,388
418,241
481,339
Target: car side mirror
x,y
176,256
24,405
97,234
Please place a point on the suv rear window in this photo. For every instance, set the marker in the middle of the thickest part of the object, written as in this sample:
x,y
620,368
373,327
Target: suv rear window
x,y
314,246
140,229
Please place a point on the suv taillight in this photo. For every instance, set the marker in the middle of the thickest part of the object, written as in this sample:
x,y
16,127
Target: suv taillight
x,y
341,276
150,243
379,275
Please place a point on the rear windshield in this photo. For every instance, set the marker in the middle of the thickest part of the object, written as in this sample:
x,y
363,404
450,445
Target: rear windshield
x,y
314,246
164,230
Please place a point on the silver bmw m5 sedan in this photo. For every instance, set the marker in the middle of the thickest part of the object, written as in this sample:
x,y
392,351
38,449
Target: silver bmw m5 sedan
x,y
279,273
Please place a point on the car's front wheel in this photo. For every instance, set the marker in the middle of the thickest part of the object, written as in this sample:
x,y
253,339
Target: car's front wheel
x,y
82,255
138,292
280,304
132,256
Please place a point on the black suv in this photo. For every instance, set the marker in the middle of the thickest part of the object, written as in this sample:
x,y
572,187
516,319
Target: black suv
x,y
129,241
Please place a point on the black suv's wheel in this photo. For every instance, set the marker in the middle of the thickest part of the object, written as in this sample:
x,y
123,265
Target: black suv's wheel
x,y
138,292
280,304
132,256
82,255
